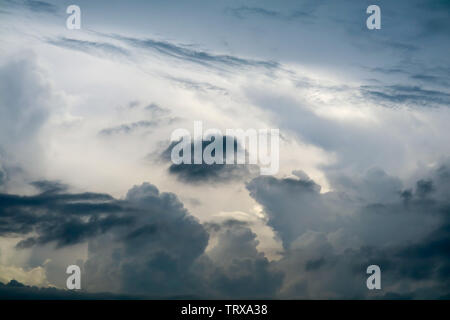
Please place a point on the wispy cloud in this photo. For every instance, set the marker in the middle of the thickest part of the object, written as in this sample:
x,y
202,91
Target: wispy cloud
x,y
94,47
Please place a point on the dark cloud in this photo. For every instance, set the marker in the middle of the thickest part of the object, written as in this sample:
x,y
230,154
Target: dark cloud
x,y
150,235
160,252
60,218
15,290
330,238
209,173
424,188
154,257
314,264
148,245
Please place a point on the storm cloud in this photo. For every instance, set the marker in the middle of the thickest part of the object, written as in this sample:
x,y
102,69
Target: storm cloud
x,y
363,178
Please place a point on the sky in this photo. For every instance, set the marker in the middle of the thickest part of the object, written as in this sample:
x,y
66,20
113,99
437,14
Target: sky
x,y
86,118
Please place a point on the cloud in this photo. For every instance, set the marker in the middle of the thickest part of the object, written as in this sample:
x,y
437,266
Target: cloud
x,y
197,56
41,6
431,79
147,244
245,12
155,257
46,186
156,110
35,276
28,102
150,235
26,96
2,176
87,46
330,238
35,6
15,290
234,268
61,218
209,173
129,127
410,95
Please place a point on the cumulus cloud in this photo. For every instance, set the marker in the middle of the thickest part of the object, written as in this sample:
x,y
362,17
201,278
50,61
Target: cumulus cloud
x,y
148,244
330,238
155,256
234,268
35,276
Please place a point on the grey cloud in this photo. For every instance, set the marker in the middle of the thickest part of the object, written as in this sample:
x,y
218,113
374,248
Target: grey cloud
x,y
15,290
289,219
374,186
209,173
433,76
60,218
159,116
93,47
245,12
328,238
33,5
431,79
46,186
184,53
2,176
199,86
410,95
144,244
156,110
234,268
192,55
24,106
160,252
41,6
392,70
337,235
129,128
156,256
